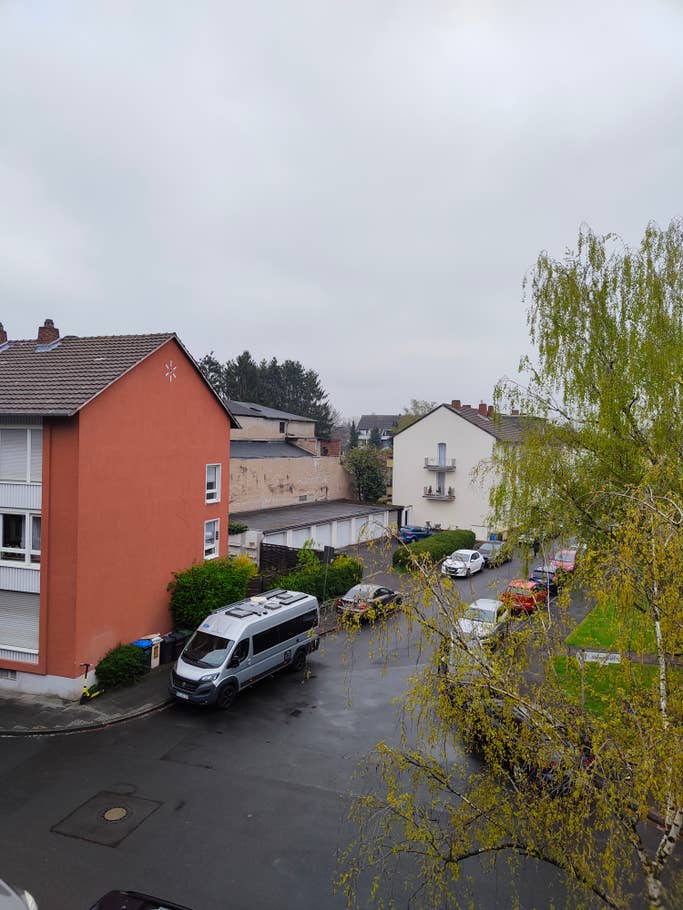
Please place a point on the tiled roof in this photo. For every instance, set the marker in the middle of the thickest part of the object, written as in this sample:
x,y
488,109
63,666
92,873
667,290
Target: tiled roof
x,y
60,378
252,409
506,427
378,421
254,448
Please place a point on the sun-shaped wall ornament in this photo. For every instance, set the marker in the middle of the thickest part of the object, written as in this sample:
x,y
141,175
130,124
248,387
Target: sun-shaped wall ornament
x,y
171,371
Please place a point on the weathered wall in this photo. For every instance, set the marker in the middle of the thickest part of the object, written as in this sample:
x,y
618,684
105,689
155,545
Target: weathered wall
x,y
262,428
261,483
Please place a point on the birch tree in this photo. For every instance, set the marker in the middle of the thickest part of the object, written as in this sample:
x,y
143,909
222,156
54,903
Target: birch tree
x,y
520,753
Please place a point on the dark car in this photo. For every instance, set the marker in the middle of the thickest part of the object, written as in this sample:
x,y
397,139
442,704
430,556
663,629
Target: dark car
x,y
495,552
133,900
546,576
368,600
409,533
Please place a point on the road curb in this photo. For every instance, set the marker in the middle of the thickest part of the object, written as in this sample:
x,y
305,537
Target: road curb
x,y
86,728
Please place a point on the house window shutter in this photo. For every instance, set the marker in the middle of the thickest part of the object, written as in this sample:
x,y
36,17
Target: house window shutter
x,y
19,615
36,456
13,455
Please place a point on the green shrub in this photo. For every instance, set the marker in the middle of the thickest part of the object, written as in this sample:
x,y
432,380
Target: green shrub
x,y
236,527
120,666
206,587
343,573
433,548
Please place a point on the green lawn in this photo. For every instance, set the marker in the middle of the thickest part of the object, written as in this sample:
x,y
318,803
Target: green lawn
x,y
603,683
607,629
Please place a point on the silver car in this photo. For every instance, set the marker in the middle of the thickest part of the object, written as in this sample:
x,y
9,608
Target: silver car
x,y
484,619
12,898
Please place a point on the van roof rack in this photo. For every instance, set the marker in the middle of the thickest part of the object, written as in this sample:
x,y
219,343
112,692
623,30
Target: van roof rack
x,y
241,611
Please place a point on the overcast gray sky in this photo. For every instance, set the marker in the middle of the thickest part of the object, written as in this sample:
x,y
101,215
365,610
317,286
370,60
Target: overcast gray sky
x,y
357,185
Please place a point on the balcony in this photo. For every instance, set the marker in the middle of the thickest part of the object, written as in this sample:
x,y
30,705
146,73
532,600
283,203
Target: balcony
x,y
447,496
432,465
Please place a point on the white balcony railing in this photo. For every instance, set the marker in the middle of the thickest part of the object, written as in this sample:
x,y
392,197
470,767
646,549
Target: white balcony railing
x,y
432,465
447,495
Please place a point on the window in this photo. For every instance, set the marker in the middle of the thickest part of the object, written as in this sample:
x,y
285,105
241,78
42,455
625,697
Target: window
x,y
213,483
211,538
21,455
20,538
265,640
283,426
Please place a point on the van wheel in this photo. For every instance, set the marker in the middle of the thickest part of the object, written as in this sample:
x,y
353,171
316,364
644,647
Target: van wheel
x,y
226,696
299,662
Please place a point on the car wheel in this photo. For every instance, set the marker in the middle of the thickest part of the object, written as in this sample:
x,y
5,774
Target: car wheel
x,y
398,601
226,696
299,662
468,572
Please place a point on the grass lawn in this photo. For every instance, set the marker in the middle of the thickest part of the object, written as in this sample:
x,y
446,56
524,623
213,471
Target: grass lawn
x,y
603,683
607,629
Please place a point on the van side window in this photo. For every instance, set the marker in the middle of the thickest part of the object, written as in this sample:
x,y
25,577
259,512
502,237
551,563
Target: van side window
x,y
267,639
242,650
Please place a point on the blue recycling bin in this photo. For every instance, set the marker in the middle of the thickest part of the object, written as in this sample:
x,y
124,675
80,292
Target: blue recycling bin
x,y
146,647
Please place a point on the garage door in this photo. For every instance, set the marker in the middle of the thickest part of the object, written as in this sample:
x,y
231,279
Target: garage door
x,y
19,614
300,536
323,536
344,533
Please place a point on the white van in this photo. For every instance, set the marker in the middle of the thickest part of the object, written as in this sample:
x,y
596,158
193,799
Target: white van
x,y
239,644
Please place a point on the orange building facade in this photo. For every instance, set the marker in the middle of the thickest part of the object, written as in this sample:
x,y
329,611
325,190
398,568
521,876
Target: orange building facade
x,y
134,487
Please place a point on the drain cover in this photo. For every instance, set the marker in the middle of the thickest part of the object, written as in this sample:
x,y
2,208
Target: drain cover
x,y
115,814
107,818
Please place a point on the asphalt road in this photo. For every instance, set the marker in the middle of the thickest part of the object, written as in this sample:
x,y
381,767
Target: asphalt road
x,y
234,810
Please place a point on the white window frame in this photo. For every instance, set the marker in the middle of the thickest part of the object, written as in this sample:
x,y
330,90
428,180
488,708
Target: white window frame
x,y
29,430
211,548
30,556
216,497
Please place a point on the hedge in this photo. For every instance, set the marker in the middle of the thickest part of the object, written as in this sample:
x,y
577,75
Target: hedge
x,y
206,587
343,573
120,666
433,548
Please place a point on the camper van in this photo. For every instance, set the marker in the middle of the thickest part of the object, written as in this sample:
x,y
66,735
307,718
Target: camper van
x,y
239,644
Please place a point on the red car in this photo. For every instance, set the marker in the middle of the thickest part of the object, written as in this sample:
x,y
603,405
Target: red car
x,y
523,595
564,560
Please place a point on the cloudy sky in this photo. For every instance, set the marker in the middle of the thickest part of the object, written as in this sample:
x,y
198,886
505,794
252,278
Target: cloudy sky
x,y
360,185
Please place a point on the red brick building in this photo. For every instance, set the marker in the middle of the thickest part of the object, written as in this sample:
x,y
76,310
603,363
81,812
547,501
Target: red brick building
x,y
114,471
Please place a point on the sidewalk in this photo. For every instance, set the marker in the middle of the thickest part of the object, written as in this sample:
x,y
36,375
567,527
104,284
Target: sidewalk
x,y
39,715
42,715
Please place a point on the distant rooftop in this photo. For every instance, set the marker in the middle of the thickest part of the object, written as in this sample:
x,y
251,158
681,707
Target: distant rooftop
x,y
276,448
378,421
252,409
305,514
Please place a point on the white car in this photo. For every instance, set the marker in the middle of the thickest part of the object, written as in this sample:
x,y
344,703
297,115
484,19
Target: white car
x,y
484,619
463,563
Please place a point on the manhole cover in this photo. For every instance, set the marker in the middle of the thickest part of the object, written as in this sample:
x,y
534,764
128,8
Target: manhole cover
x,y
115,814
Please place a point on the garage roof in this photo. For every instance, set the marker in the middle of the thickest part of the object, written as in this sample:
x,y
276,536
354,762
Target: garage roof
x,y
305,513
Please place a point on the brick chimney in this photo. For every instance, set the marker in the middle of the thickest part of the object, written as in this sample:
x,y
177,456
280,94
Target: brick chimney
x,y
489,413
455,404
3,334
483,408
47,333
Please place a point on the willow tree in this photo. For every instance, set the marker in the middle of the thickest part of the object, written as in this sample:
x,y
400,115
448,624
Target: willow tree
x,y
582,764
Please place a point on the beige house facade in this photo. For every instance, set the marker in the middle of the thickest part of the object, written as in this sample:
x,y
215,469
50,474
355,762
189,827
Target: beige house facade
x,y
439,466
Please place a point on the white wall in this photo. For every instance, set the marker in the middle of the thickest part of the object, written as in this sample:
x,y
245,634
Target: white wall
x,y
469,445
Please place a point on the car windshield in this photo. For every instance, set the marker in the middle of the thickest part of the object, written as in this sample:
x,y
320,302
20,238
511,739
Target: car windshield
x,y
480,614
460,556
524,592
205,650
359,591
565,556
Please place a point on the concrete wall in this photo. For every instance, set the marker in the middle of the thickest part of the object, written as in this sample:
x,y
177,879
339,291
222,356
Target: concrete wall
x,y
263,428
469,445
263,483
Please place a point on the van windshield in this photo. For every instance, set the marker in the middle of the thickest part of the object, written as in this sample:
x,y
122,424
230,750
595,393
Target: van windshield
x,y
204,650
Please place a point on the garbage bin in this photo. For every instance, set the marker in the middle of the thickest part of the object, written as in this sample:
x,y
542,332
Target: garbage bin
x,y
181,637
167,648
155,639
146,645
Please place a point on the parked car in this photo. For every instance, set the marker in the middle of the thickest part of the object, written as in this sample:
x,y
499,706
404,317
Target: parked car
x,y
133,900
410,533
564,560
547,577
523,595
495,552
368,600
13,898
484,620
463,563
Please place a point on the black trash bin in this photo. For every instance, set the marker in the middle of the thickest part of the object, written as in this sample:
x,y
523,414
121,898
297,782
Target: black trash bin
x,y
181,637
167,648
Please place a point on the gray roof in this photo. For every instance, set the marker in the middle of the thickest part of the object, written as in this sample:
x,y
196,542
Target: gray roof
x,y
505,427
303,514
378,421
60,378
252,409
278,448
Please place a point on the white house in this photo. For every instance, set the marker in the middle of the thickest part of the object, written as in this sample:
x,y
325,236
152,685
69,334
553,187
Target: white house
x,y
434,461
